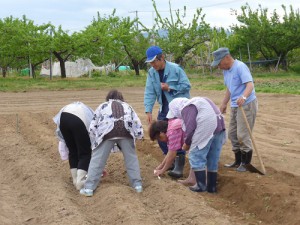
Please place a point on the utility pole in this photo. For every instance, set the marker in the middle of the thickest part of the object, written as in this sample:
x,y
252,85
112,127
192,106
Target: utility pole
x,y
136,17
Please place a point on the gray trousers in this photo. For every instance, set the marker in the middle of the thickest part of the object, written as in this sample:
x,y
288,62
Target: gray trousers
x,y
100,156
238,132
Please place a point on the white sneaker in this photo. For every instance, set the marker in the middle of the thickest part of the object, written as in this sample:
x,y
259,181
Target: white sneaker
x,y
138,189
86,192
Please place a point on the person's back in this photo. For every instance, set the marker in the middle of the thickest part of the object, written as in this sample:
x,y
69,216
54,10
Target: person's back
x,y
115,123
73,121
119,130
80,110
203,138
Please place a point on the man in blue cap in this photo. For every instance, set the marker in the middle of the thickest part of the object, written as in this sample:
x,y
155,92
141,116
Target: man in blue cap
x,y
165,81
240,90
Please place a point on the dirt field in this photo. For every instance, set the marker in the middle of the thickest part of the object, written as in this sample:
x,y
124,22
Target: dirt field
x,y
36,188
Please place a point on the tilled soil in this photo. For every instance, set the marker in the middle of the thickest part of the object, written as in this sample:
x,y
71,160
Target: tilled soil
x,y
36,186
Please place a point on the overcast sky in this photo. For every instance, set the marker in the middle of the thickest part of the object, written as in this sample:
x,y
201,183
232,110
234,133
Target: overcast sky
x,y
75,15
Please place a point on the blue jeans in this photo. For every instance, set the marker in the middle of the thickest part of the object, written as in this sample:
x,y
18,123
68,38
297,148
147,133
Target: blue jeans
x,y
209,155
163,145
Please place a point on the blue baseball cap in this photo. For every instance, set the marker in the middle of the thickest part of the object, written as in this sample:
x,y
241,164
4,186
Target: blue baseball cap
x,y
219,54
152,52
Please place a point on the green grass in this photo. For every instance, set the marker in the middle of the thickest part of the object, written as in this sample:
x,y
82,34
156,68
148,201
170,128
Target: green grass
x,y
21,84
295,68
285,83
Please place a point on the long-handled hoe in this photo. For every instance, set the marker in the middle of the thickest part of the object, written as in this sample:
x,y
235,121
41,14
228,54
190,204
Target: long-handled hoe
x,y
249,166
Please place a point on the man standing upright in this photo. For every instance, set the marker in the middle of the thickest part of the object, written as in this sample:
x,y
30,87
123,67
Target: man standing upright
x,y
240,89
165,81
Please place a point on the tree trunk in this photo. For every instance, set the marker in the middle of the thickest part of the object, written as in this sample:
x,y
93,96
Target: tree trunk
x,y
136,68
284,63
135,62
61,64
4,70
62,68
34,66
33,71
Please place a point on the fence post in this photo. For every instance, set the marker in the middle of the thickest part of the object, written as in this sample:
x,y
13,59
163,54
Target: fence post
x,y
249,57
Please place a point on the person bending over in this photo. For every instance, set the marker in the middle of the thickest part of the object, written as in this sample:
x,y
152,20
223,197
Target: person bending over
x,y
171,133
114,122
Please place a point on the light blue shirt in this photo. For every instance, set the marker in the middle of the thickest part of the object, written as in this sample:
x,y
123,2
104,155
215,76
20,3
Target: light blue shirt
x,y
174,76
235,80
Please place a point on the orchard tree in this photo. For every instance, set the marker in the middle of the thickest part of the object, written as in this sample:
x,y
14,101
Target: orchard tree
x,y
218,38
9,42
94,42
14,43
113,39
63,47
132,41
22,43
270,36
181,37
36,44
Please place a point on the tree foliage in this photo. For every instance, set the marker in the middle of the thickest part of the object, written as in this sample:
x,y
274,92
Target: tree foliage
x,y
63,46
273,37
181,37
118,40
21,43
113,39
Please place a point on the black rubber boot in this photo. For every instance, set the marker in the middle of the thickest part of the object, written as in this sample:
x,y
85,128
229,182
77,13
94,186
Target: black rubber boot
x,y
249,157
177,172
237,161
201,182
212,182
246,159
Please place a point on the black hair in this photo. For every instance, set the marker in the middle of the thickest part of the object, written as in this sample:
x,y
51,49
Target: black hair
x,y
114,94
156,127
159,56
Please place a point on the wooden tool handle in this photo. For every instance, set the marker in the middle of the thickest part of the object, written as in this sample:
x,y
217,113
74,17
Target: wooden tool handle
x,y
253,142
